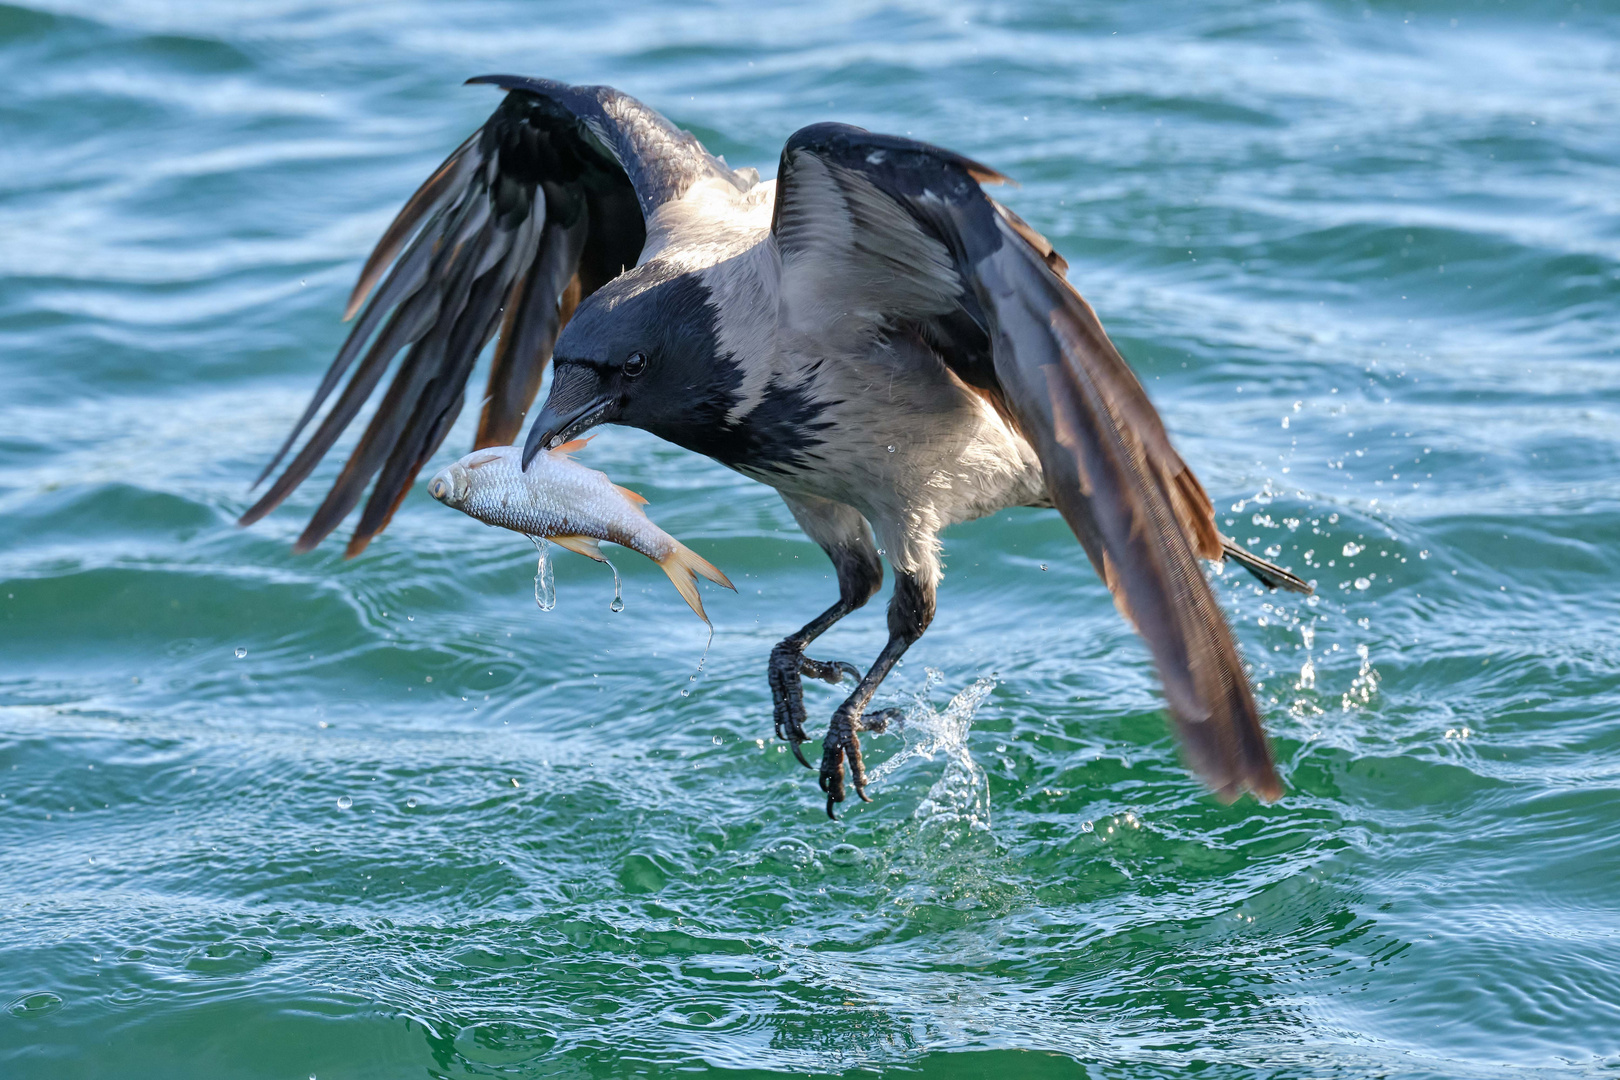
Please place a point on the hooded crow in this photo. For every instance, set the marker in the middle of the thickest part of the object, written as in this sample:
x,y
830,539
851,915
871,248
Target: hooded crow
x,y
870,334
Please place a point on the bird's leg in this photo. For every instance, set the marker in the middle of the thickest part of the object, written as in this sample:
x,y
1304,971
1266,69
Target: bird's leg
x,y
910,612
860,575
788,663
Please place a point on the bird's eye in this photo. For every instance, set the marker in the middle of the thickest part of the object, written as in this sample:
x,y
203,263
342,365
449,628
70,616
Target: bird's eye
x,y
636,364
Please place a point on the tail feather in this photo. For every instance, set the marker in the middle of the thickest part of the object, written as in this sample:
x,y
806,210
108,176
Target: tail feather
x,y
683,565
1270,574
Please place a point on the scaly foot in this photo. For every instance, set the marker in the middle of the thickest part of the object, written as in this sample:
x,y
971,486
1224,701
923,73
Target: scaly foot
x,y
787,664
842,742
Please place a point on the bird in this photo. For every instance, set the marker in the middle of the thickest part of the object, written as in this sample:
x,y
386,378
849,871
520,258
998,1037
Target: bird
x,y
871,334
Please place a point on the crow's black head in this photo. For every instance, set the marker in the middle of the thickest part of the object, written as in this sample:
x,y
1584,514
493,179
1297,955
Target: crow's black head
x,y
640,351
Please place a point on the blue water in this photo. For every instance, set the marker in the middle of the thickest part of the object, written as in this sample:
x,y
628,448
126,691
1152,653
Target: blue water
x,y
266,815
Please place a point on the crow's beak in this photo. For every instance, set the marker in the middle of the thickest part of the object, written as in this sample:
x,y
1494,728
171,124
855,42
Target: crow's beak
x,y
578,402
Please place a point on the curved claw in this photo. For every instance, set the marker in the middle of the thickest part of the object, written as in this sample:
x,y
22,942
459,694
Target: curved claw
x,y
828,671
800,755
882,720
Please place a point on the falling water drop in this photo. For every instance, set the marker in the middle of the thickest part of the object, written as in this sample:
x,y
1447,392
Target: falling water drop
x,y
545,586
891,448
686,691
618,595
344,802
410,804
240,652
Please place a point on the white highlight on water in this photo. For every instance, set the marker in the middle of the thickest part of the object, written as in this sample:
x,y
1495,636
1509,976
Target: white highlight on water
x,y
962,792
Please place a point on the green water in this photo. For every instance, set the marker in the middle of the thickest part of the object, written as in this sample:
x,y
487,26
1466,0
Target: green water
x,y
274,816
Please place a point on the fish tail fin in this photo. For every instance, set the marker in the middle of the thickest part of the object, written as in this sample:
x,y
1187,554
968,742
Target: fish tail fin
x,y
1270,574
683,565
583,545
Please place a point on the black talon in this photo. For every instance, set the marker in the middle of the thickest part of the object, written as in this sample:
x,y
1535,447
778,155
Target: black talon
x,y
878,722
828,671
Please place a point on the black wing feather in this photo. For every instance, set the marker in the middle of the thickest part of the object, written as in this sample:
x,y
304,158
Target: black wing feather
x,y
545,203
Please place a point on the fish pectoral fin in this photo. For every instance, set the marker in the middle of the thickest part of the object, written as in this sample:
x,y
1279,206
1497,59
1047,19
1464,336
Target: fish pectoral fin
x,y
639,500
572,445
583,545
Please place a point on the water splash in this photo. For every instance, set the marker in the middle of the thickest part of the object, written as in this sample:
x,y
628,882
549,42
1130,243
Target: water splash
x,y
962,792
1365,685
545,586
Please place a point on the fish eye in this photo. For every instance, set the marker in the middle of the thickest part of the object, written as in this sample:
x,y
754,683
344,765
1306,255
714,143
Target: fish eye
x,y
635,364
439,489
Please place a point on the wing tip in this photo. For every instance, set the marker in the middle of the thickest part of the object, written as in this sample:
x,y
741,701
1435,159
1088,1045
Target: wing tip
x,y
1264,785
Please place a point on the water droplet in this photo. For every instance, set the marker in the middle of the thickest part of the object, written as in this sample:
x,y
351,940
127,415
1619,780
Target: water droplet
x,y
545,586
344,802
410,804
1362,583
685,692
618,596
891,448
1423,554
1353,549
240,652
1043,566
515,782
1086,826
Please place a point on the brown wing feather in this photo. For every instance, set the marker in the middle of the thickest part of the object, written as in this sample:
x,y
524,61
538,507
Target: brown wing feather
x,y
1132,501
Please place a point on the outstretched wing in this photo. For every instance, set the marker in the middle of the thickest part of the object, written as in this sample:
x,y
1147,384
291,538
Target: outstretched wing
x,y
546,202
897,237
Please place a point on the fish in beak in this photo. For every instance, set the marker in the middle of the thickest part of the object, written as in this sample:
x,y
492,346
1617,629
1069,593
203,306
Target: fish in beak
x,y
581,397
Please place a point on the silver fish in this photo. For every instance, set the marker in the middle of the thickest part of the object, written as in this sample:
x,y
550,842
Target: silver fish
x,y
570,505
